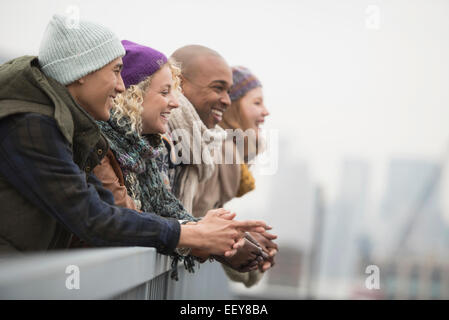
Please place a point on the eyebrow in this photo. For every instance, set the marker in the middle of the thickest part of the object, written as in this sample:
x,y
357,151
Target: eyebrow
x,y
166,86
119,65
222,82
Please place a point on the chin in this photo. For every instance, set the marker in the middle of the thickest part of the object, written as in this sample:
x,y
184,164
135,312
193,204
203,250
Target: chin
x,y
211,124
100,117
164,128
104,116
159,128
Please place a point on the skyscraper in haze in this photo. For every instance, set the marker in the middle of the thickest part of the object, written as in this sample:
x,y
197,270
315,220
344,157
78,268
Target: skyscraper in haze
x,y
343,223
411,207
291,205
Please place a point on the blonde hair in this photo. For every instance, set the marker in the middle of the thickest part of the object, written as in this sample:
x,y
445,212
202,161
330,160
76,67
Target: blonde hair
x,y
129,103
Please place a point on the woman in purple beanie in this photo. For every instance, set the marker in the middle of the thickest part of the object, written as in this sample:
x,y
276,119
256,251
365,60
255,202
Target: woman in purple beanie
x,y
134,131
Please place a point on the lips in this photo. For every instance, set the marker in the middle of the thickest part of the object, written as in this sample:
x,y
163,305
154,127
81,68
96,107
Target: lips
x,y
165,116
259,123
217,114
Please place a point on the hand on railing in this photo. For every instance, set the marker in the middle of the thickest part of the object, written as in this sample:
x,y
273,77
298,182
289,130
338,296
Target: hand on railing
x,y
218,234
246,259
265,241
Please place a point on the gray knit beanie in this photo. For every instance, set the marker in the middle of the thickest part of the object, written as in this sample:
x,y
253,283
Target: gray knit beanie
x,y
69,52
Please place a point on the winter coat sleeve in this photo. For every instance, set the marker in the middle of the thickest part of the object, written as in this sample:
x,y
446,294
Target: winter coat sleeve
x,y
38,162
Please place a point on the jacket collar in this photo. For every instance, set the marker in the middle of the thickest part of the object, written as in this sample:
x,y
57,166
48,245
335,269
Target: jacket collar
x,y
24,88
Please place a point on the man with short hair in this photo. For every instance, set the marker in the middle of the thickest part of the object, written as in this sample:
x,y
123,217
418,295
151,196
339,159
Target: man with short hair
x,y
49,144
206,82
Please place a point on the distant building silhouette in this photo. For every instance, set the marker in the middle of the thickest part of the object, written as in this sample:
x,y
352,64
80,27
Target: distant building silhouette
x,y
418,268
341,232
406,180
411,208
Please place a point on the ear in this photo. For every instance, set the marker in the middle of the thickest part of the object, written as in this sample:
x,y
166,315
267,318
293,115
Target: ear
x,y
181,77
184,82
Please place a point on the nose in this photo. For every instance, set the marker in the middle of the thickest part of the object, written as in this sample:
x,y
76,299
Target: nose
x,y
173,103
120,86
225,99
265,111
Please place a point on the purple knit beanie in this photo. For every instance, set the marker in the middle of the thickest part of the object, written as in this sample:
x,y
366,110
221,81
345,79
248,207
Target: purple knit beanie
x,y
244,81
140,62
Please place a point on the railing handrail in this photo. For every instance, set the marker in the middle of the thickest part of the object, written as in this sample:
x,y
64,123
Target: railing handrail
x,y
103,272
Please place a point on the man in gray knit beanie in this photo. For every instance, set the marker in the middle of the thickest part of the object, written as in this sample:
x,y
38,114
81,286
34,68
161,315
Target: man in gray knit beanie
x,y
86,59
50,142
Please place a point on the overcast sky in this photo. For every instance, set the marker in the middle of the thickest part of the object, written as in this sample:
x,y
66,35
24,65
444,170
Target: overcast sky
x,y
354,78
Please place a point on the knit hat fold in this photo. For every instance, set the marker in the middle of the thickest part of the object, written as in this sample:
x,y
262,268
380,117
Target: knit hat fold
x,y
68,53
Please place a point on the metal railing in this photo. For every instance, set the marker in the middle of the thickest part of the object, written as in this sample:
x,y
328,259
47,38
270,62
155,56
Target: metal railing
x,y
112,273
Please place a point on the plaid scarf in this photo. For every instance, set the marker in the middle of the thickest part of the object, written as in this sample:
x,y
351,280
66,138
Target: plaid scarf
x,y
136,156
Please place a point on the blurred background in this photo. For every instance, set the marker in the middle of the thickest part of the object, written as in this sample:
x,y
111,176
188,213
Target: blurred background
x,y
358,92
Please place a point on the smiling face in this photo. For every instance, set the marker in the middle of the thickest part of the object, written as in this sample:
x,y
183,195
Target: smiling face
x,y
158,101
95,92
248,113
208,88
253,110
